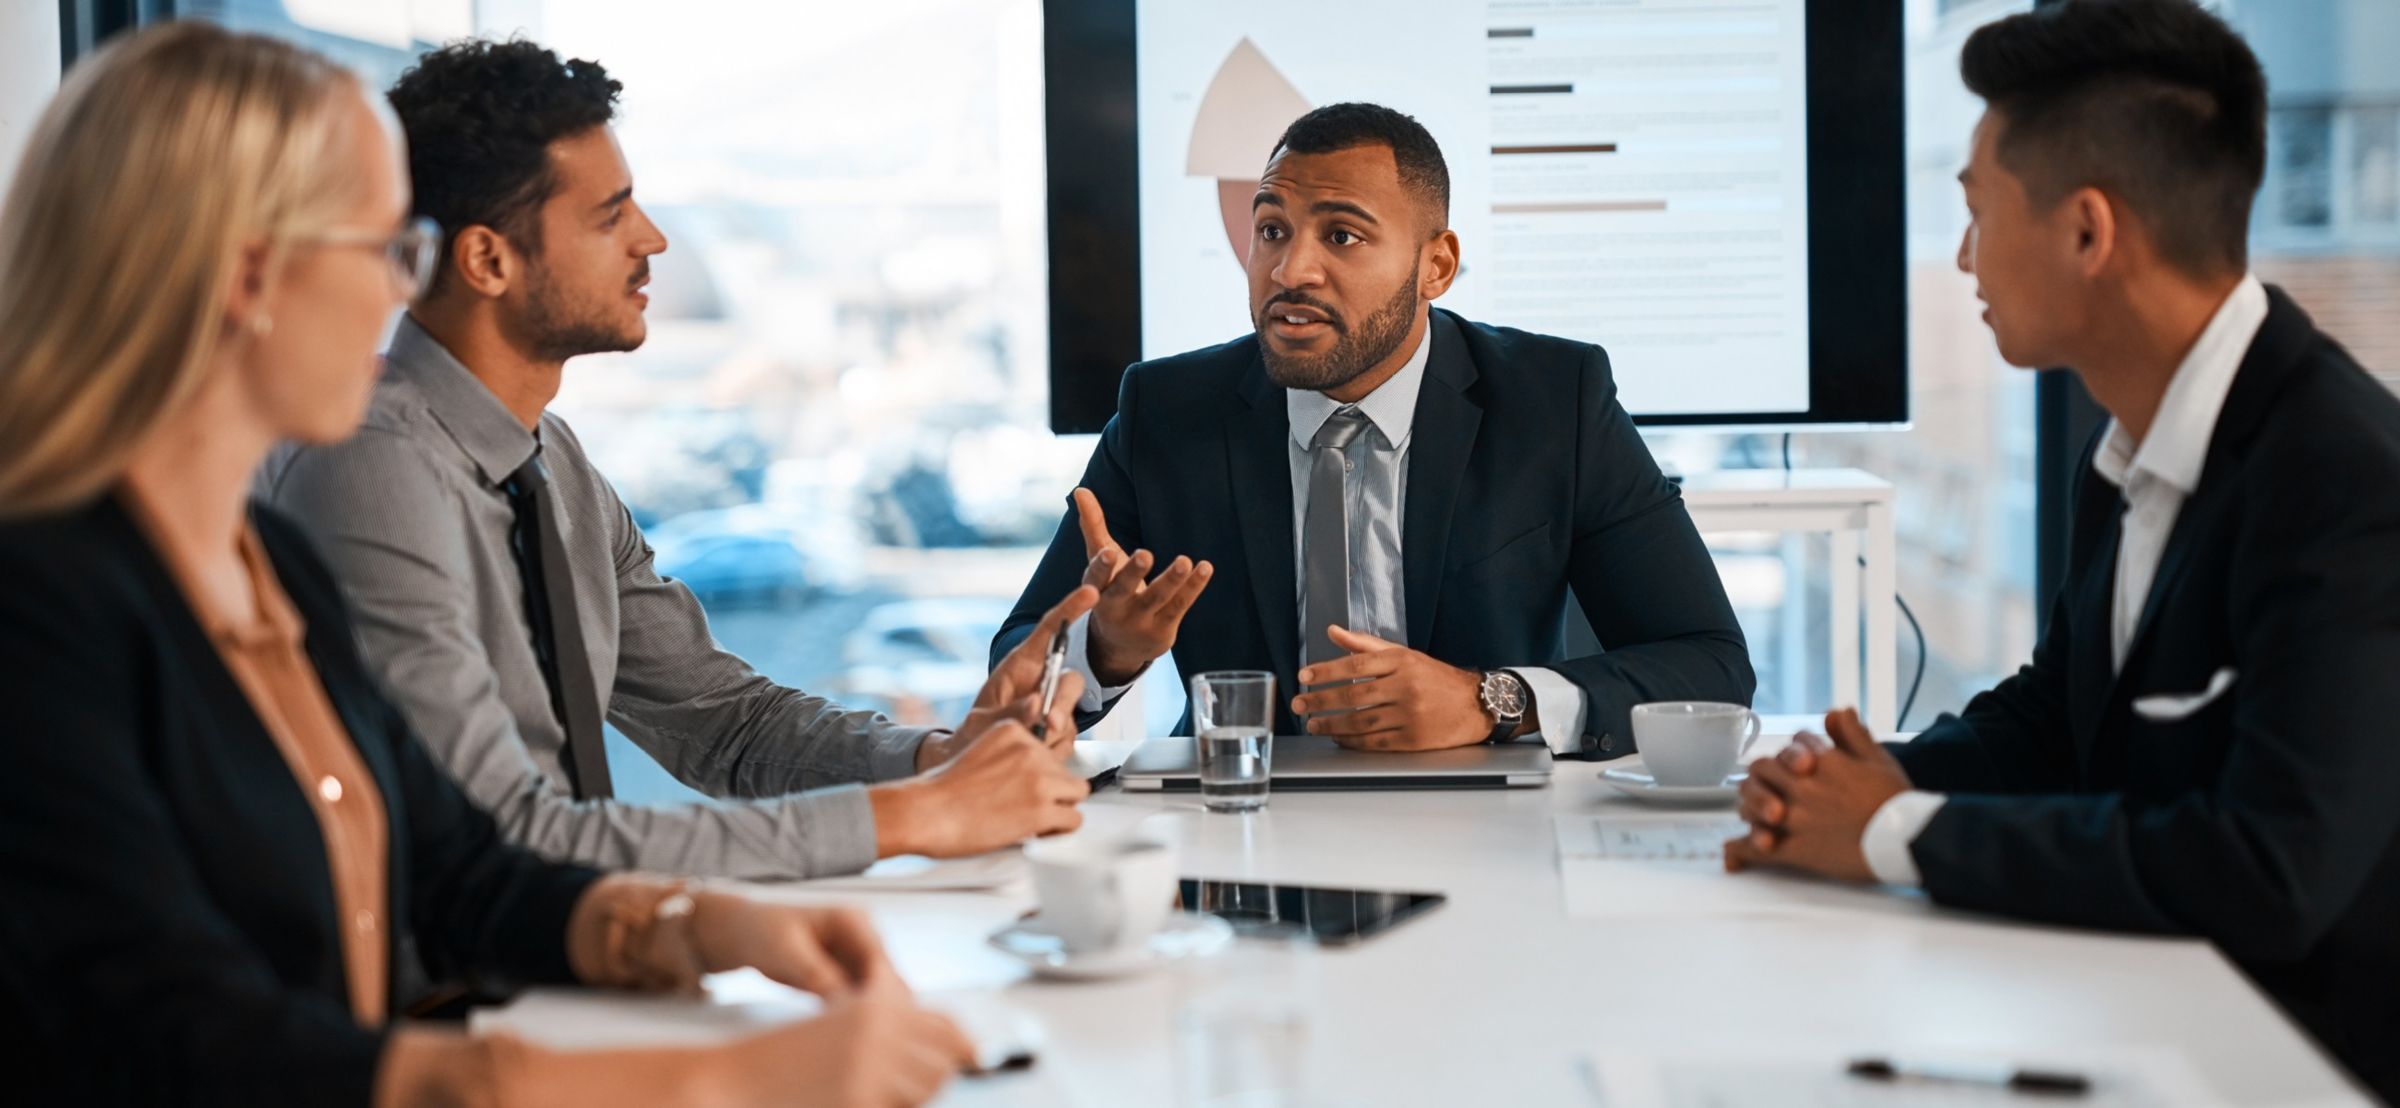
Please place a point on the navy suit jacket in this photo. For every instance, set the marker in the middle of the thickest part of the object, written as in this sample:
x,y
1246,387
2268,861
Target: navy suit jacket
x,y
2268,820
1526,482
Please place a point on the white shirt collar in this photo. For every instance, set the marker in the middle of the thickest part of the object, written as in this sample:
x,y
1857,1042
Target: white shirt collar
x,y
2176,448
1391,408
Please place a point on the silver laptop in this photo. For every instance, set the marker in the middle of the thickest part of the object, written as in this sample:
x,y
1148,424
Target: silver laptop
x,y
1314,762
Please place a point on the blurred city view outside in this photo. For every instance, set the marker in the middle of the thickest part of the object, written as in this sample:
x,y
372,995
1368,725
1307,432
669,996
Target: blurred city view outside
x,y
836,433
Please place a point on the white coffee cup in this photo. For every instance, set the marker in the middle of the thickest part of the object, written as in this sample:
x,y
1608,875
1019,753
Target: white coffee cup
x,y
1103,893
1693,743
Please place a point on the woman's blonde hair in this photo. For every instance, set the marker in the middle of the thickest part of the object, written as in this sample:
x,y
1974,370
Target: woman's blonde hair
x,y
162,159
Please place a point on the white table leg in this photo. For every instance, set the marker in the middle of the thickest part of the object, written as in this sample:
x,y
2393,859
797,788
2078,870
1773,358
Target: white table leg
x,y
1842,617
1883,614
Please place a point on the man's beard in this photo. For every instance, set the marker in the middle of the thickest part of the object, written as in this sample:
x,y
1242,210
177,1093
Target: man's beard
x,y
556,331
1357,350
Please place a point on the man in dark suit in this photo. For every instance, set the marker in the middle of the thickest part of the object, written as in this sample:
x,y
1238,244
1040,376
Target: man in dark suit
x,y
2207,740
1383,501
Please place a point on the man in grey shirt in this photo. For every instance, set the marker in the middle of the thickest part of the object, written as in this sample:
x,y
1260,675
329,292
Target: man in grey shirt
x,y
505,595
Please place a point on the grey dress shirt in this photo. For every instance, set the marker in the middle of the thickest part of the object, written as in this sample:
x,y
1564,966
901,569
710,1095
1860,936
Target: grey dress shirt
x,y
410,513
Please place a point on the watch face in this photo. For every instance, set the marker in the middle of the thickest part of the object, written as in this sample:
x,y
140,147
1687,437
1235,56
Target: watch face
x,y
1504,694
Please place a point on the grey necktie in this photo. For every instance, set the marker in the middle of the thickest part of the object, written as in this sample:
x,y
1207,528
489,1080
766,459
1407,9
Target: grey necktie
x,y
1325,539
557,630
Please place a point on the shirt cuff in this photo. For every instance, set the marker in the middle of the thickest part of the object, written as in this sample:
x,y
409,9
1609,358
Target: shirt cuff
x,y
1889,835
1079,660
1558,708
831,831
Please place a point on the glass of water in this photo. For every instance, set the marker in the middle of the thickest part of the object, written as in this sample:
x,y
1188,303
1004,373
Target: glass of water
x,y
1233,713
1242,1022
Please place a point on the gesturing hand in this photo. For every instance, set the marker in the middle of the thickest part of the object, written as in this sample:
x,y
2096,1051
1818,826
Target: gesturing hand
x,y
1137,615
1808,807
1013,691
1398,699
1005,788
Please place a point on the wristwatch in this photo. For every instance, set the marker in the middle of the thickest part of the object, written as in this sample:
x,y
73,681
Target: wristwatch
x,y
1506,700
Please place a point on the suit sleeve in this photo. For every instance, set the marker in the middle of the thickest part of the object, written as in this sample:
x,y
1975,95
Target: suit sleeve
x,y
1644,578
381,518
1109,476
110,939
2267,857
2012,738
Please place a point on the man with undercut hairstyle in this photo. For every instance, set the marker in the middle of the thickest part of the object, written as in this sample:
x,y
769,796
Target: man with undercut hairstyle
x,y
1388,506
2204,742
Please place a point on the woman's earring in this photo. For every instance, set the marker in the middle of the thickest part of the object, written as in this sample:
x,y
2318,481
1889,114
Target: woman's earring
x,y
262,325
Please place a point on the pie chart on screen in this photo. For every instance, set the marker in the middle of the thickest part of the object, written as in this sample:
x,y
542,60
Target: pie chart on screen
x,y
1248,104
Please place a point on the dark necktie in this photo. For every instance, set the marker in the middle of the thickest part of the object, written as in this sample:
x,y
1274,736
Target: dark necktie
x,y
557,629
1325,537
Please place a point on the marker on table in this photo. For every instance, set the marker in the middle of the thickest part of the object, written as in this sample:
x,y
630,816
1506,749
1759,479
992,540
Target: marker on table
x,y
2037,1082
1052,666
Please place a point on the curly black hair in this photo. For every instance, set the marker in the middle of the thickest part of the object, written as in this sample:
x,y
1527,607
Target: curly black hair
x,y
2156,102
480,117
1342,126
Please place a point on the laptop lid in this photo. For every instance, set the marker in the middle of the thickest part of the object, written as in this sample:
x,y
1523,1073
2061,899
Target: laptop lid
x,y
1316,762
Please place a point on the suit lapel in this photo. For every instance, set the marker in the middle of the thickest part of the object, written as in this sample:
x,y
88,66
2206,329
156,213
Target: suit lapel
x,y
2091,654
1440,442
1259,465
2273,353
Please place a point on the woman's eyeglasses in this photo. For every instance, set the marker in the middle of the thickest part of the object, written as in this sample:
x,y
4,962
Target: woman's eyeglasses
x,y
411,252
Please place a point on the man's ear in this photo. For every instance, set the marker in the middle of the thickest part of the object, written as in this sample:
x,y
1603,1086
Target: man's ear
x,y
483,261
1437,265
2092,218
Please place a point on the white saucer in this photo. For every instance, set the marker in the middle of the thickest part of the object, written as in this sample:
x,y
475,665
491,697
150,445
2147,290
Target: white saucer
x,y
1641,786
1183,935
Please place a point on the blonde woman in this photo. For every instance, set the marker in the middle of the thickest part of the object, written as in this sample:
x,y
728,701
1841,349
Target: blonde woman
x,y
214,833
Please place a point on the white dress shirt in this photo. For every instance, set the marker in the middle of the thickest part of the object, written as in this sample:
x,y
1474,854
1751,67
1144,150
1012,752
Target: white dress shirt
x,y
1377,501
2156,475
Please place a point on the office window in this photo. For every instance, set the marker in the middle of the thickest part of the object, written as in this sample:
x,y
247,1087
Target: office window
x,y
2327,226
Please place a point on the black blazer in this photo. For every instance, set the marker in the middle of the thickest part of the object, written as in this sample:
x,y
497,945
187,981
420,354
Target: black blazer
x,y
167,929
2265,821
1525,480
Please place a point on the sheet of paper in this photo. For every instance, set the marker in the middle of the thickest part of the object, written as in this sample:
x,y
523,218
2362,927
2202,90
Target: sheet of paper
x,y
1617,865
1681,839
997,871
1813,1075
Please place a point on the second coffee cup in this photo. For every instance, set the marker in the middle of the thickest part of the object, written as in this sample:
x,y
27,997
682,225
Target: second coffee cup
x,y
1693,743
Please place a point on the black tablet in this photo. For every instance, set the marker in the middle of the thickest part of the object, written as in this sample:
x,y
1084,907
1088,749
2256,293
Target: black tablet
x,y
1335,917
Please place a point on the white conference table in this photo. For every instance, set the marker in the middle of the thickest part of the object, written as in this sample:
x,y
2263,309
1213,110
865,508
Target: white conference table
x,y
1500,996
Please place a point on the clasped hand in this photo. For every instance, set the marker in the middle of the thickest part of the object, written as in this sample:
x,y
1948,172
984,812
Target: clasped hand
x,y
1808,806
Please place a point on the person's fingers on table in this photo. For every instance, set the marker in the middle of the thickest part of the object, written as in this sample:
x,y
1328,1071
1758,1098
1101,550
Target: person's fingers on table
x,y
1062,819
1381,663
1355,723
1760,806
1773,775
1093,522
849,937
1849,733
1343,698
1742,854
935,1030
794,958
1801,756
1374,740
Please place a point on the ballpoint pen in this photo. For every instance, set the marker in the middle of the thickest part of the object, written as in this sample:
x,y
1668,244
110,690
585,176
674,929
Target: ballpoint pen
x,y
1052,666
1995,1076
